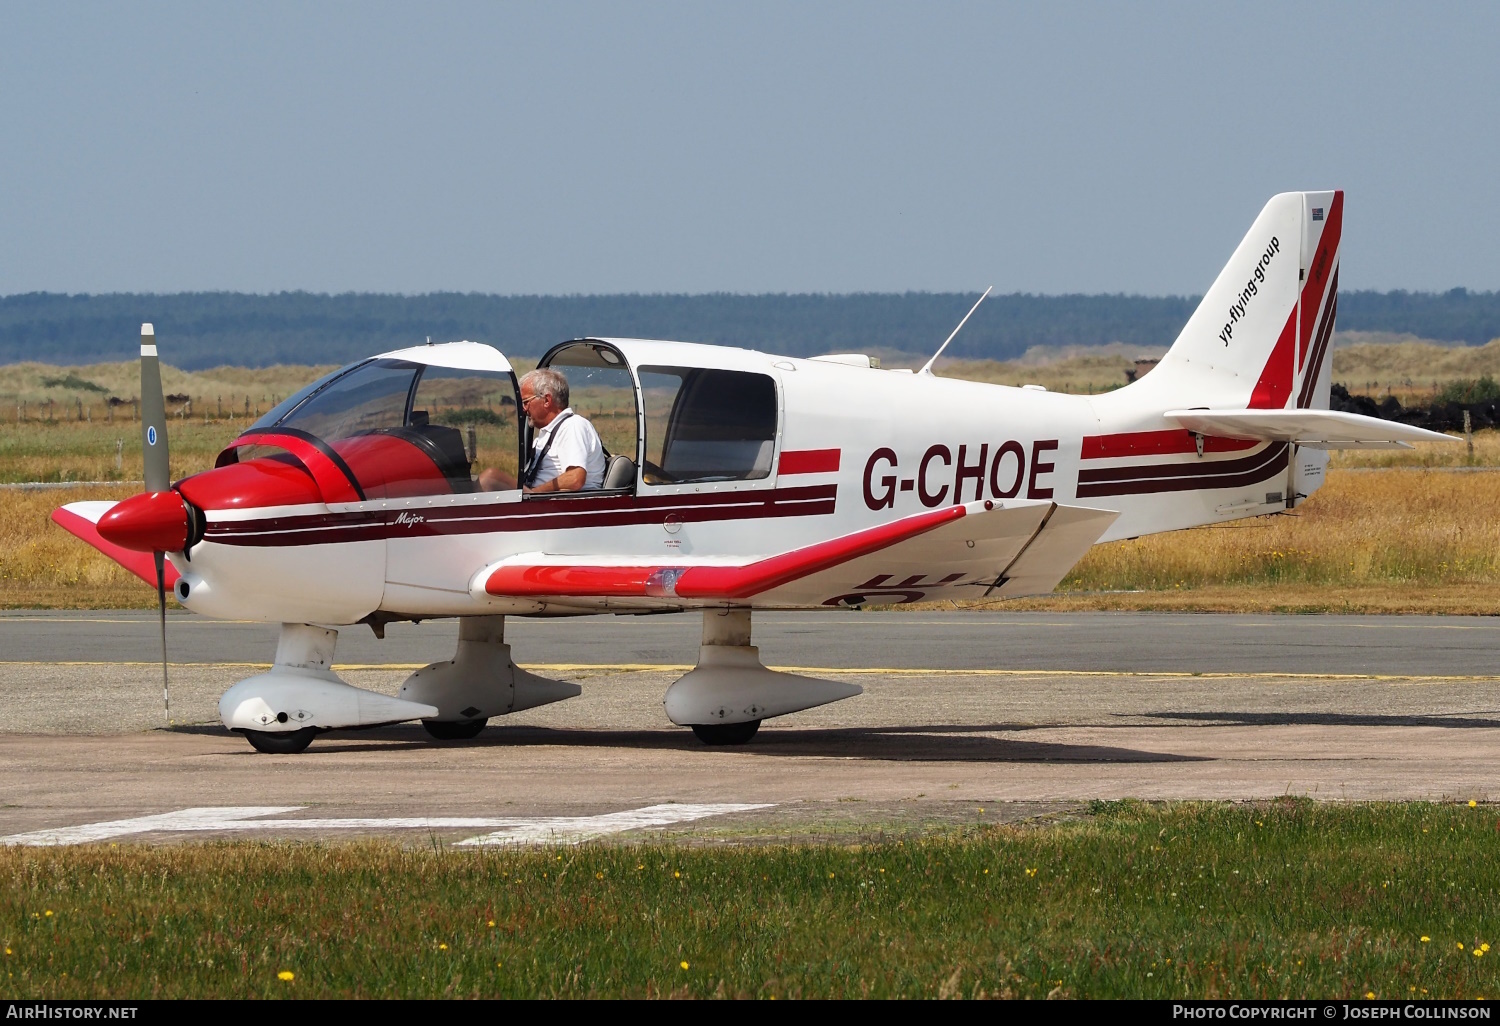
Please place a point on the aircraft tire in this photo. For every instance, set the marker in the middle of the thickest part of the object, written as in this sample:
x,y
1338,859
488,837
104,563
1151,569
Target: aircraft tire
x,y
287,742
726,733
454,730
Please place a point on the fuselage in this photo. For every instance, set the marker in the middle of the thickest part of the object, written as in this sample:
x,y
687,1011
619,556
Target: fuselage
x,y
328,531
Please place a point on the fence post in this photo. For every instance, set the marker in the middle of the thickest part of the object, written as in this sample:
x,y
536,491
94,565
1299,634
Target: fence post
x,y
119,455
1469,434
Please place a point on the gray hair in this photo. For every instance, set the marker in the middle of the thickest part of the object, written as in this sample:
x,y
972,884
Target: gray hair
x,y
548,382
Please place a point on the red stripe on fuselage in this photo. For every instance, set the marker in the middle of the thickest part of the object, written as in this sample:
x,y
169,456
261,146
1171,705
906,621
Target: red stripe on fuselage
x,y
1182,477
528,515
808,461
1156,443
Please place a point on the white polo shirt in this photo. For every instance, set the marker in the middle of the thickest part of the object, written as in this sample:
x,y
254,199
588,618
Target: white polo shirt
x,y
577,445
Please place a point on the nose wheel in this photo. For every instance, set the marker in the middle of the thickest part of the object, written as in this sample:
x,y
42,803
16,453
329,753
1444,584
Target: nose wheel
x,y
726,733
454,730
287,742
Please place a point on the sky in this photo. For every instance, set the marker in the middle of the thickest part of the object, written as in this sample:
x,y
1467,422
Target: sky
x,y
574,147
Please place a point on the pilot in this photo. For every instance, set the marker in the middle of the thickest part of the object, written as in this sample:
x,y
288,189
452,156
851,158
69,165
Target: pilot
x,y
567,455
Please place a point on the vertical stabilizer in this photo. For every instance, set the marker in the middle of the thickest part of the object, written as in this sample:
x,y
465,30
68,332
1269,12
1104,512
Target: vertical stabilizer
x,y
1261,337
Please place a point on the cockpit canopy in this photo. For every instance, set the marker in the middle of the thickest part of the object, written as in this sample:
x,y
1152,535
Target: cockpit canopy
x,y
413,422
428,420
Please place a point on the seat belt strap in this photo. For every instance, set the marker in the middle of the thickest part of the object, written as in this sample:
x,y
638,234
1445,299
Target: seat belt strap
x,y
528,479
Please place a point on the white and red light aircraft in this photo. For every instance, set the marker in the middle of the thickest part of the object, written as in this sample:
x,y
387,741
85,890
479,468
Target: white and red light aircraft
x,y
741,481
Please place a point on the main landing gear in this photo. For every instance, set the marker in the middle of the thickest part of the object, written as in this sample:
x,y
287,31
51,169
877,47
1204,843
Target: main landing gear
x,y
725,697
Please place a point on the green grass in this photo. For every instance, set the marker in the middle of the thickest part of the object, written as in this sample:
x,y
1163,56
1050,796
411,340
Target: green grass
x,y
1282,899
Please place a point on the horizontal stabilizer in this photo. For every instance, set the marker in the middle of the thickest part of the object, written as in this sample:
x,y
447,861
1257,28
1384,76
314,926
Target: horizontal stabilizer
x,y
1313,429
82,520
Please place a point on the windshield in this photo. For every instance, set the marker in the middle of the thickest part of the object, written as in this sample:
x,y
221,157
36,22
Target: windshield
x,y
287,405
371,396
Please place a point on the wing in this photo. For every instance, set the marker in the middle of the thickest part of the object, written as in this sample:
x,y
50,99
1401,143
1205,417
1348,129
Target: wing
x,y
82,520
969,551
1314,429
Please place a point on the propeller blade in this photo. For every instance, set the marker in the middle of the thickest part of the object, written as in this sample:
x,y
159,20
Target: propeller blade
x,y
153,415
161,610
158,477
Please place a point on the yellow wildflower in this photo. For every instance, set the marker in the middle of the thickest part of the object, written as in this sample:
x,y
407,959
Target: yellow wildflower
x,y
683,964
1425,938
287,975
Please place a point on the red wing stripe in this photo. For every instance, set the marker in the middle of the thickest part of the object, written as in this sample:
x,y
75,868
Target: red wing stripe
x,y
808,461
1156,443
711,582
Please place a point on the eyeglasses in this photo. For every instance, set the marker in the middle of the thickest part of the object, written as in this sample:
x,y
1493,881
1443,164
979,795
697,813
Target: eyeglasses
x,y
527,399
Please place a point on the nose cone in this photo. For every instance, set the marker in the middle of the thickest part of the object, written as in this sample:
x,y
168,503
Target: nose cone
x,y
149,522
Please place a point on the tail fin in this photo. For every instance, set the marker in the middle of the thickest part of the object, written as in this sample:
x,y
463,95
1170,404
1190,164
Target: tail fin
x,y
1261,337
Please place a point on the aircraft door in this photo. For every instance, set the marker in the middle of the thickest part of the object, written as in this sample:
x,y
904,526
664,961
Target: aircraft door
x,y
450,468
602,390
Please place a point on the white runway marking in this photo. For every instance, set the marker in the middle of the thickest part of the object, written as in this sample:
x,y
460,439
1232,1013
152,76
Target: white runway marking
x,y
504,830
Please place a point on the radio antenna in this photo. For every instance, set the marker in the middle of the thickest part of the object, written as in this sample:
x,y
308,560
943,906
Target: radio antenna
x,y
927,367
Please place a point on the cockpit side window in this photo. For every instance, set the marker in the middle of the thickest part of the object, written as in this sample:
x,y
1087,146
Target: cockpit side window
x,y
705,424
466,420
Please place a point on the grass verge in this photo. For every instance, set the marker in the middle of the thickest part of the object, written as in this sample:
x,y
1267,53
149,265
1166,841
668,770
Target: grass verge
x,y
1283,899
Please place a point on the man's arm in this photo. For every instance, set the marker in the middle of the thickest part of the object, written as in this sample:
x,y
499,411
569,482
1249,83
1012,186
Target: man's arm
x,y
570,480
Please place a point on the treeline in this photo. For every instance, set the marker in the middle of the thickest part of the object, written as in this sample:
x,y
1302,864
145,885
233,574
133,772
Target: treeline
x,y
207,329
